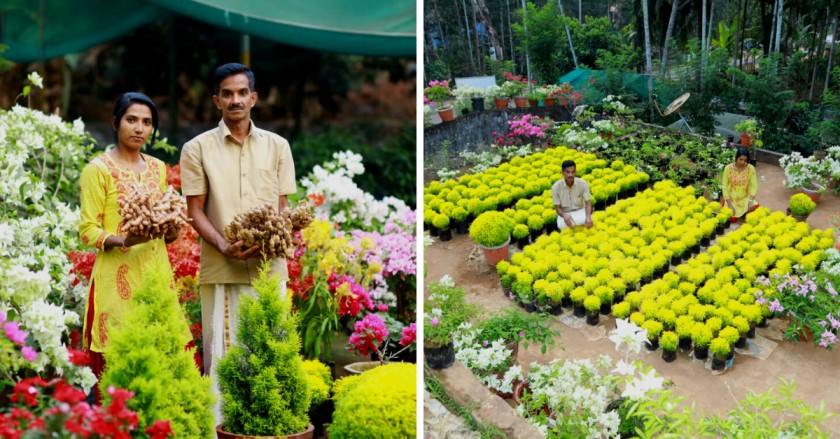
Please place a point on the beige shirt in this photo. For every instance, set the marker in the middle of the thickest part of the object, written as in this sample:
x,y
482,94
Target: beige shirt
x,y
236,177
569,198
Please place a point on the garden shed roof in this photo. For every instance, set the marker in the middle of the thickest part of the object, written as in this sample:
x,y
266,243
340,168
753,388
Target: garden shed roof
x,y
387,27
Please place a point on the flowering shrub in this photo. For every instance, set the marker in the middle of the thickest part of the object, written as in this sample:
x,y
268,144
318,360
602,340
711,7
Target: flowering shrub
x,y
811,301
490,361
515,85
446,308
523,130
41,159
369,336
437,91
810,172
344,202
57,409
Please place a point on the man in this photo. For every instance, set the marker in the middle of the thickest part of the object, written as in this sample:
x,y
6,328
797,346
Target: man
x,y
571,198
227,170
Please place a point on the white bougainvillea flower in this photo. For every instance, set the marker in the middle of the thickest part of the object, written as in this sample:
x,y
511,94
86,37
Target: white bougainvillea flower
x,y
36,79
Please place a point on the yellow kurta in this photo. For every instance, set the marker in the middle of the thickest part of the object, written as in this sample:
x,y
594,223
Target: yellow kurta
x,y
116,273
739,186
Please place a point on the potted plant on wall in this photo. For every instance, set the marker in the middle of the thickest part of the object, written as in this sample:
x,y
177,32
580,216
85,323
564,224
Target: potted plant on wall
x,y
750,132
474,96
439,93
491,231
263,365
499,96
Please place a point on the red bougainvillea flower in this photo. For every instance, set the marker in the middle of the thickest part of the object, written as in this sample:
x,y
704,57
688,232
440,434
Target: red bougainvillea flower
x,y
79,358
369,333
160,430
66,393
351,296
27,391
409,334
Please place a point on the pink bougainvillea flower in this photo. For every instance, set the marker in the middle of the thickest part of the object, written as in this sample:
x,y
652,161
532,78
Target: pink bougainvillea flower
x,y
15,334
369,333
29,353
409,334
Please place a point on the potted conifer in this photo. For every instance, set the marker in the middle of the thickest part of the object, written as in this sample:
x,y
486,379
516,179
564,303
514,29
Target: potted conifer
x,y
262,381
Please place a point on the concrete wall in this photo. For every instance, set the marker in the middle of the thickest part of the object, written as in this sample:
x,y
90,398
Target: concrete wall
x,y
472,130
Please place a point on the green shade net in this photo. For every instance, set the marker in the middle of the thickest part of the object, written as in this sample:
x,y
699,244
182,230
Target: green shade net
x,y
362,27
635,83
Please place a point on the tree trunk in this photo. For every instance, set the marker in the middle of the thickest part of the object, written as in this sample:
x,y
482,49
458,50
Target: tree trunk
x,y
830,52
580,11
817,52
484,13
742,21
675,5
510,31
648,61
703,48
779,15
479,60
465,31
440,29
568,34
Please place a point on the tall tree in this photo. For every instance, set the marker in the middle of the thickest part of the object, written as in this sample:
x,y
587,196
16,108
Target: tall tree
x,y
663,66
568,34
648,61
481,7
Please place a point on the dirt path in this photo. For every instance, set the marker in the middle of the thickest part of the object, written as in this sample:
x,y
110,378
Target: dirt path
x,y
816,371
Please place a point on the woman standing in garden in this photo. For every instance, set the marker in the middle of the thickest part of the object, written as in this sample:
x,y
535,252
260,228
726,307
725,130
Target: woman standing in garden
x,y
120,257
740,185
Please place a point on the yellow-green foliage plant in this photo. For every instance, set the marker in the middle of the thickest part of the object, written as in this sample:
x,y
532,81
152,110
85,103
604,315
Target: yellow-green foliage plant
x,y
320,380
380,403
146,355
264,388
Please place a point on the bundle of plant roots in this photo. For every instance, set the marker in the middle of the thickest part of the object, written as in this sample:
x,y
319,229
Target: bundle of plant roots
x,y
271,230
152,214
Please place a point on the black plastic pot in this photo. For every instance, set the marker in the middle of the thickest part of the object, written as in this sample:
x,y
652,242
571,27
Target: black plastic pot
x,y
718,363
579,311
701,353
751,332
530,306
566,302
705,241
742,342
685,343
535,234
652,345
478,104
606,308
445,234
433,231
462,227
669,356
439,357
522,242
592,318
555,310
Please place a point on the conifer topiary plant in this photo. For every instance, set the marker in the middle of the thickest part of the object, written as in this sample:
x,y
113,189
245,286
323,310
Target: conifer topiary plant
x,y
262,381
146,355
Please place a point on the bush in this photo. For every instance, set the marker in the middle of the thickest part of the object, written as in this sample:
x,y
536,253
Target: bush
x,y
146,355
379,403
261,379
701,335
719,347
441,221
520,231
592,303
535,222
320,380
801,204
668,340
491,229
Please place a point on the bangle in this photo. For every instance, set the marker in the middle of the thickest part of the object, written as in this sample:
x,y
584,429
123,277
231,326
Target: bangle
x,y
123,248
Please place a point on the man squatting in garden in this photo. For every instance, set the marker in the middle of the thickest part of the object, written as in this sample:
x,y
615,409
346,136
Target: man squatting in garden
x,y
571,198
227,170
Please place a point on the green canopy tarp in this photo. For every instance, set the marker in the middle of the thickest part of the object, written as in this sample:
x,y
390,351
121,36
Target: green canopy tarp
x,y
634,83
362,27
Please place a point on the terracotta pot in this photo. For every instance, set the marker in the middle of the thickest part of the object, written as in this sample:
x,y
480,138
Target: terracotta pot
x,y
520,101
501,103
306,434
812,193
800,218
548,102
496,254
533,102
447,114
746,140
564,102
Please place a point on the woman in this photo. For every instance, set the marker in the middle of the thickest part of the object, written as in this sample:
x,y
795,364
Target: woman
x,y
739,185
120,258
